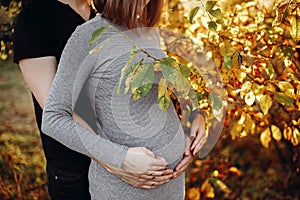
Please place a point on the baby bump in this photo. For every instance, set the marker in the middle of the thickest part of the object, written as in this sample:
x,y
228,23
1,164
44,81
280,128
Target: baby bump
x,y
173,150
141,123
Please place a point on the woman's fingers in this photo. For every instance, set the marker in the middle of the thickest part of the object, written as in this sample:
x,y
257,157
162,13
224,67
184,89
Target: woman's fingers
x,y
158,164
153,185
141,160
145,183
152,174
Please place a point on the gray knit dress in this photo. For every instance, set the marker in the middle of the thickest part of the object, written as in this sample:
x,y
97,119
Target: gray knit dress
x,y
121,121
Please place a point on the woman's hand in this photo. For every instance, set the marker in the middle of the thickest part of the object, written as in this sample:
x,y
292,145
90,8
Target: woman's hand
x,y
140,160
140,181
141,169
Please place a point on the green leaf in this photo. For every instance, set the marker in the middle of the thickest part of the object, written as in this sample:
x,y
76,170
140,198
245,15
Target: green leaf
x,y
285,13
220,21
125,70
193,13
284,99
288,52
168,61
216,13
200,95
168,68
228,63
96,34
131,74
212,26
185,71
143,78
163,96
227,50
215,100
182,84
210,4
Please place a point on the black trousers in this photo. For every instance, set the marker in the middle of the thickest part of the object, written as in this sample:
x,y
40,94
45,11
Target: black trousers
x,y
66,184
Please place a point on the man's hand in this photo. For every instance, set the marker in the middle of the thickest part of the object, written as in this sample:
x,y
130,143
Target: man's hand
x,y
187,158
193,143
197,134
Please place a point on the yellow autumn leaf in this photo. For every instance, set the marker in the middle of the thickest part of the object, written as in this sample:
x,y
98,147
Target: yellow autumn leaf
x,y
249,98
265,103
257,89
270,88
193,193
295,25
298,90
286,87
287,133
236,130
223,187
198,163
276,133
245,88
208,189
265,137
215,173
249,125
235,170
296,137
3,56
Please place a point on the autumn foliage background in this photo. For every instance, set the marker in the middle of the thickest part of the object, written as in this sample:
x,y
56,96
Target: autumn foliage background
x,y
254,45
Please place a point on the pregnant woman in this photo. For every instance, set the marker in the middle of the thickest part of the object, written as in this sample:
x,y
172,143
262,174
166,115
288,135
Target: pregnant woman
x,y
123,124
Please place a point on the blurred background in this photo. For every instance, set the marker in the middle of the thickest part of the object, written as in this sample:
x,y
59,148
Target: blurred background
x,y
255,46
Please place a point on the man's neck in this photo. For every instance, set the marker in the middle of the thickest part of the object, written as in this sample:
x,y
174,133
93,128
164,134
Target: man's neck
x,y
75,3
80,6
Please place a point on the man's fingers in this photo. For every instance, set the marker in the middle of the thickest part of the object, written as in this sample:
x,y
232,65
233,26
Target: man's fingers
x,y
162,178
182,166
178,173
199,138
199,145
194,128
183,162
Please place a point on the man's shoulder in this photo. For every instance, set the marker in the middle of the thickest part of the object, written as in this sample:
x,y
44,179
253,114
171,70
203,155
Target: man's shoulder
x,y
31,11
34,11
